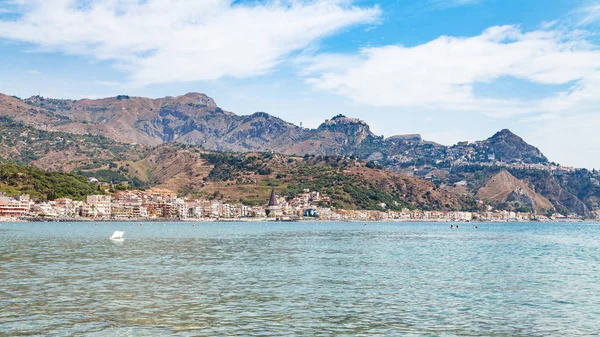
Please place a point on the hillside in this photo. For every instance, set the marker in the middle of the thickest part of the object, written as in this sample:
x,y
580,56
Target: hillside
x,y
249,177
46,185
192,118
60,151
573,192
507,192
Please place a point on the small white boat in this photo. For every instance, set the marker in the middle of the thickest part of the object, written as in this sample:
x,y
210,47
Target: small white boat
x,y
117,235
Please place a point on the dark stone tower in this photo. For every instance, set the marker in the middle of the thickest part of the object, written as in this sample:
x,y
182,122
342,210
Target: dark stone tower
x,y
273,210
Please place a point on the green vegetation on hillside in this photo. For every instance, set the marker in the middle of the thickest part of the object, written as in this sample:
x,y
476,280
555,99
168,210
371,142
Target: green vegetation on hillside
x,y
16,180
347,191
228,166
345,180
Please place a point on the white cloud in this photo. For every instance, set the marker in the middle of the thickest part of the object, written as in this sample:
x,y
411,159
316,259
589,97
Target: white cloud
x,y
160,41
442,73
588,14
440,77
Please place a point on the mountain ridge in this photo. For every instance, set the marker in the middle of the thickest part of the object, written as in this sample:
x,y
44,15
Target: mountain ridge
x,y
195,119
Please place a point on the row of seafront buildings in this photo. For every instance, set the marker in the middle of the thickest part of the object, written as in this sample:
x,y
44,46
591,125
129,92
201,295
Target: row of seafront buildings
x,y
153,204
164,204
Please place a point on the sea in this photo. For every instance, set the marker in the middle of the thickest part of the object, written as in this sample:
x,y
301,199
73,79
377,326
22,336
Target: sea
x,y
300,279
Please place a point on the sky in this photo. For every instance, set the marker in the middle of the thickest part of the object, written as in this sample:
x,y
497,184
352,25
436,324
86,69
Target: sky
x,y
451,70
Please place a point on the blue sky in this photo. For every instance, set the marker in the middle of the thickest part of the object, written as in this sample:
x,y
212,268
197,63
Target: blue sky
x,y
449,69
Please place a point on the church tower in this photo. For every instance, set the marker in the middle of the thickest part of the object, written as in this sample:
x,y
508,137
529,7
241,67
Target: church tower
x,y
273,210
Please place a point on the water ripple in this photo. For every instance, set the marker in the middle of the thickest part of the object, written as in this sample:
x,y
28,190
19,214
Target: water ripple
x,y
299,279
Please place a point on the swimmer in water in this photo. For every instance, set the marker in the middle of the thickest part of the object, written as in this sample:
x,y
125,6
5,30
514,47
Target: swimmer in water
x,y
451,226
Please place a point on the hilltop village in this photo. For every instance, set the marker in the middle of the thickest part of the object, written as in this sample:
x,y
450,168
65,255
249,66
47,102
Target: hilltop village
x,y
162,204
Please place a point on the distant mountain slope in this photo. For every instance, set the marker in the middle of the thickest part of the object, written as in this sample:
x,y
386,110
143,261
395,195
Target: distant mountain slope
x,y
504,188
192,119
60,151
16,109
195,118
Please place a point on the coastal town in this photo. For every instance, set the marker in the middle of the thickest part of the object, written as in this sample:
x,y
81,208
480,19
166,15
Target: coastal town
x,y
162,204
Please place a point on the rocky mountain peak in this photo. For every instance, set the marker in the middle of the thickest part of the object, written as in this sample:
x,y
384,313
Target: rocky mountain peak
x,y
343,120
354,129
343,123
508,147
260,114
506,134
199,98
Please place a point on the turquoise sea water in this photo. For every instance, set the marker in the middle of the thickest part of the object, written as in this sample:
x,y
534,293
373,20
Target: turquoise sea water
x,y
303,279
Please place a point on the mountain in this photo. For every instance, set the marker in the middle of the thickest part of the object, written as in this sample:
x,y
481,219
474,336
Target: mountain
x,y
508,147
576,192
192,119
94,136
504,188
196,119
134,119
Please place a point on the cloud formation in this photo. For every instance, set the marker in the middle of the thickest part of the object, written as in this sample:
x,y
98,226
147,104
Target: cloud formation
x,y
161,41
443,73
588,14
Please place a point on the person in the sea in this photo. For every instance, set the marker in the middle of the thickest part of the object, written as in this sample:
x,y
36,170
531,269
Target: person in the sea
x,y
451,226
